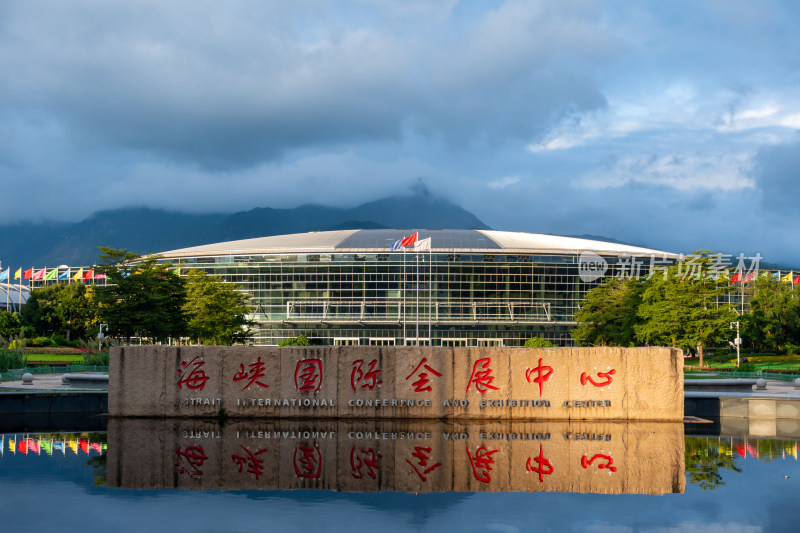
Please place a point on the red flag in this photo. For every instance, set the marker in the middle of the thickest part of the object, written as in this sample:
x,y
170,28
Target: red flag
x,y
410,240
736,277
797,279
89,275
28,273
84,444
749,277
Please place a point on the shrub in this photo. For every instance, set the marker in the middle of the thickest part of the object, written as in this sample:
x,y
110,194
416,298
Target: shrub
x,y
747,367
95,359
41,341
300,340
58,340
538,342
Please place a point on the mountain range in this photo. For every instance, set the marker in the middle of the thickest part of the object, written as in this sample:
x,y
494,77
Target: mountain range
x,y
145,230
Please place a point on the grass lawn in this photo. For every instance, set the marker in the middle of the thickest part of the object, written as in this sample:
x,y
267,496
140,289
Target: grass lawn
x,y
48,357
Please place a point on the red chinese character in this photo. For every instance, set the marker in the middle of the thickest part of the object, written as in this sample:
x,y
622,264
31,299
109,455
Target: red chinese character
x,y
365,457
421,385
482,378
586,378
307,462
370,378
609,462
308,375
191,460
196,379
544,375
254,464
543,466
254,374
421,454
482,463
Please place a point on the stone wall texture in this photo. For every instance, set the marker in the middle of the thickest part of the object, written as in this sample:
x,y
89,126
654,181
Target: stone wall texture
x,y
397,382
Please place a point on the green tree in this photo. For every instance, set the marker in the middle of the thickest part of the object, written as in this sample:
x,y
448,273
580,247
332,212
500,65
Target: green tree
x,y
704,460
608,314
538,342
774,318
9,324
216,311
59,309
300,340
143,297
684,309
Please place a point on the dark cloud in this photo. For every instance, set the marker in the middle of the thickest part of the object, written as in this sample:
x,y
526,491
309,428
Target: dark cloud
x,y
778,175
229,87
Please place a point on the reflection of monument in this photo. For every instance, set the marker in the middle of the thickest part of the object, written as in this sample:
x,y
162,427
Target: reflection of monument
x,y
411,456
398,382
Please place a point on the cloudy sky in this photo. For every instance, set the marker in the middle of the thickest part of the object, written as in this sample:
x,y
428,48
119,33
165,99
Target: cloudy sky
x,y
670,124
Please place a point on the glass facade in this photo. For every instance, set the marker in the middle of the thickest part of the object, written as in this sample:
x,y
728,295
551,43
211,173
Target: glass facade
x,y
392,298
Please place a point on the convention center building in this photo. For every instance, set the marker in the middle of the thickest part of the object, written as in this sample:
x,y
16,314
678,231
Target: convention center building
x,y
425,287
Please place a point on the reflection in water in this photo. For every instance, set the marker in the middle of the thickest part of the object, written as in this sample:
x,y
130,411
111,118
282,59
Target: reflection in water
x,y
706,457
407,456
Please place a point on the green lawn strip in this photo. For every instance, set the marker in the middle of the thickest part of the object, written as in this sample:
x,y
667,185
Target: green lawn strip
x,y
49,357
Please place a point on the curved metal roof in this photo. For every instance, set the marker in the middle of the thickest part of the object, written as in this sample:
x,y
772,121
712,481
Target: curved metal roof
x,y
380,240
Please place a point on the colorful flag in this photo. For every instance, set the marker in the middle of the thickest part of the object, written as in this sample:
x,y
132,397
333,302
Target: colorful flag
x,y
396,245
100,276
797,279
84,444
64,275
410,240
78,275
424,244
46,446
787,277
4,274
12,445
89,275
28,273
749,277
18,273
73,445
96,446
52,274
736,277
60,447
38,275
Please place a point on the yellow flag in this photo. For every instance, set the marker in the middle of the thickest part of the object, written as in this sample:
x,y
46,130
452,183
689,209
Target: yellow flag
x,y
78,275
787,277
18,273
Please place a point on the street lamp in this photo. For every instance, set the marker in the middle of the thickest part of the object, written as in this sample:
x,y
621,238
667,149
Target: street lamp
x,y
100,337
737,342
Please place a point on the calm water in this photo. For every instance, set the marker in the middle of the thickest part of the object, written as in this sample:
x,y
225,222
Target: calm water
x,y
65,482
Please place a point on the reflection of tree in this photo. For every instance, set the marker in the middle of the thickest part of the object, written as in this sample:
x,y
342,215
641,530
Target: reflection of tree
x,y
705,460
98,465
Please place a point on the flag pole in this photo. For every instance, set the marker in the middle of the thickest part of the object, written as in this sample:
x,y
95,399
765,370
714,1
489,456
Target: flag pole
x,y
416,319
404,295
430,293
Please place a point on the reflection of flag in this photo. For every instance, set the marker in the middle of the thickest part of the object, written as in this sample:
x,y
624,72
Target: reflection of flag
x,y
84,444
96,446
73,445
52,274
78,275
424,244
740,449
60,447
408,241
12,445
22,446
34,446
47,446
752,450
64,275
4,274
